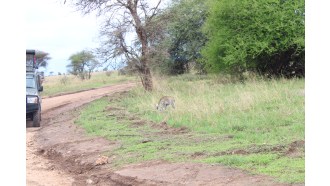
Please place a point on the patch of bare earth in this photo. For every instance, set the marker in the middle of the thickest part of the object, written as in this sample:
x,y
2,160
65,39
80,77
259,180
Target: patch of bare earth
x,y
61,153
194,174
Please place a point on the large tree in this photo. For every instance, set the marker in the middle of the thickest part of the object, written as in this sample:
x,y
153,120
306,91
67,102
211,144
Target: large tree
x,y
263,35
185,37
82,64
122,17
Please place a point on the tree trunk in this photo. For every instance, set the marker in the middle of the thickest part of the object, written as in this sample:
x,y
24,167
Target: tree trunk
x,y
89,74
146,79
142,35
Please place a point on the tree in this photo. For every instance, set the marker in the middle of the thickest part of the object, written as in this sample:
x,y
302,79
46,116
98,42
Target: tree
x,y
266,36
122,17
42,58
185,37
82,64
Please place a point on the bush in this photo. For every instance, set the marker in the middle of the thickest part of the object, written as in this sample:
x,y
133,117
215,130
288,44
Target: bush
x,y
265,36
108,73
64,80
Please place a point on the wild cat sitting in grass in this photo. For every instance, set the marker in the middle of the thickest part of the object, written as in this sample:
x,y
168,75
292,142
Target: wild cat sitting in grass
x,y
164,102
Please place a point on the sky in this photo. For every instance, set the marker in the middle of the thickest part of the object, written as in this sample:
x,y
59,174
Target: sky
x,y
58,29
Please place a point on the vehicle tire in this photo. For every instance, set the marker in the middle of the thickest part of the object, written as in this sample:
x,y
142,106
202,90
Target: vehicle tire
x,y
36,118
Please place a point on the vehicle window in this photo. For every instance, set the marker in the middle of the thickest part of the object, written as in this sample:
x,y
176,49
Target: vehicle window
x,y
30,83
29,60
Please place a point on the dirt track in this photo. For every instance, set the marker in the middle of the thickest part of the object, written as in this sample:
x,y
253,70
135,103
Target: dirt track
x,y
60,153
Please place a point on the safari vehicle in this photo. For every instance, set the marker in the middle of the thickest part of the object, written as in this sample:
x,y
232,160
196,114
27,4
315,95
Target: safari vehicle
x,y
33,87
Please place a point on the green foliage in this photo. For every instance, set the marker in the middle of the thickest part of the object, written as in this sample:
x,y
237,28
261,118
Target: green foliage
x,y
184,38
266,35
82,64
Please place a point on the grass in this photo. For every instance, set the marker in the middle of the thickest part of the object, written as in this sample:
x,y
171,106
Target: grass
x,y
251,125
68,83
262,109
285,169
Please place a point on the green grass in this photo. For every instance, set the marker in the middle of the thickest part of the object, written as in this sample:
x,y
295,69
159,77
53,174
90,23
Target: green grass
x,y
258,115
291,170
68,83
262,109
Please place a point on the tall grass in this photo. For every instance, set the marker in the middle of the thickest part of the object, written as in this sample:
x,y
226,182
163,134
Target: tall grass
x,y
259,111
68,83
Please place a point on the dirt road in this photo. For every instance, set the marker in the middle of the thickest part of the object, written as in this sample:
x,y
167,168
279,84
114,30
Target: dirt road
x,y
61,153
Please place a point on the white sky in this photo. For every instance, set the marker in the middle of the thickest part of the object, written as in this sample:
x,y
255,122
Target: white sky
x,y
56,28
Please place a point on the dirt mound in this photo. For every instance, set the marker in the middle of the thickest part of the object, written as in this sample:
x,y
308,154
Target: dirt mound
x,y
294,149
166,129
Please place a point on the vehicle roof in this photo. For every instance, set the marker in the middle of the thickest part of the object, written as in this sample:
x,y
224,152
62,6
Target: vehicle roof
x,y
30,51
